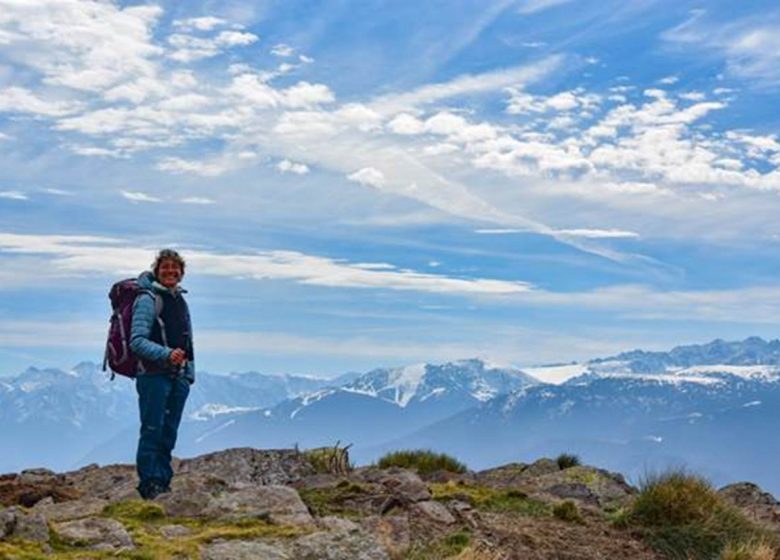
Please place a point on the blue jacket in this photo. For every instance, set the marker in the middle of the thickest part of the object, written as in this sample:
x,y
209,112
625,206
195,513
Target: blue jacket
x,y
144,316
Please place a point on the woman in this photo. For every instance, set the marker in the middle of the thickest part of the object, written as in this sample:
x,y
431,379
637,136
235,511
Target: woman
x,y
161,338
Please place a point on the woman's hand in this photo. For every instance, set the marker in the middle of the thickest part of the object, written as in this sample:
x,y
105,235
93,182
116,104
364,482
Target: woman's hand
x,y
178,357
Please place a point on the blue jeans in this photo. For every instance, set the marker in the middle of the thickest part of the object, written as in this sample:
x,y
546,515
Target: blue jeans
x,y
161,401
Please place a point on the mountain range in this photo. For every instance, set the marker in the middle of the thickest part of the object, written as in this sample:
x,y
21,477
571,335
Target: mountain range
x,y
712,407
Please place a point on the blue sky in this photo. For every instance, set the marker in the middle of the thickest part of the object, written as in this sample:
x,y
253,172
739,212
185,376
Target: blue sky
x,y
359,184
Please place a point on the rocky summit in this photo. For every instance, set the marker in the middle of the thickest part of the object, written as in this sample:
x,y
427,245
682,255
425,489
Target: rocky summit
x,y
297,505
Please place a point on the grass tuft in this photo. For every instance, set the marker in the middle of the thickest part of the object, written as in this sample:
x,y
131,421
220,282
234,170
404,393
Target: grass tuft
x,y
568,511
683,517
486,498
424,461
753,550
567,460
450,546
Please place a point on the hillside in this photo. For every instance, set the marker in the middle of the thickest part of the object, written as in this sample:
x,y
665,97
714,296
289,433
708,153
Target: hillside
x,y
291,505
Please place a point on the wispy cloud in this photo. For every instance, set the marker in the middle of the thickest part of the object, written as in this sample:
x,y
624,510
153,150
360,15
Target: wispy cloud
x,y
86,254
137,196
750,45
534,6
13,195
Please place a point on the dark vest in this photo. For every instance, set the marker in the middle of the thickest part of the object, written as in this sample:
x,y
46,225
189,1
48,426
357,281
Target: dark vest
x,y
175,318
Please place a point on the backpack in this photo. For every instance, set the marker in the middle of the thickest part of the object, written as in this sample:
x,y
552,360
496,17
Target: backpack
x,y
118,357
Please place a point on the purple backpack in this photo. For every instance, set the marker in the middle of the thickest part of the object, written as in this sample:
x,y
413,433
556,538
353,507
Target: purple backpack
x,y
119,358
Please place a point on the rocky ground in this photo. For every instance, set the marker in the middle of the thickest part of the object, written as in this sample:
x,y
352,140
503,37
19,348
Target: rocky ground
x,y
279,504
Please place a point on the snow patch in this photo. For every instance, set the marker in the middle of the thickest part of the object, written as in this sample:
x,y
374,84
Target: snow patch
x,y
212,410
215,430
556,375
406,380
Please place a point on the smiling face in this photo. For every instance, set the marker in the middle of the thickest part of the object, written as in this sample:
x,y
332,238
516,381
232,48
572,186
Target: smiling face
x,y
169,273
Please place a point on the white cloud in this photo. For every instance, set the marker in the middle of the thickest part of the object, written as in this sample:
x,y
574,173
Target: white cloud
x,y
586,233
59,192
466,85
137,196
406,124
206,23
41,36
94,151
4,137
199,200
282,50
13,195
368,176
750,47
207,169
188,48
669,80
85,254
21,100
532,6
287,166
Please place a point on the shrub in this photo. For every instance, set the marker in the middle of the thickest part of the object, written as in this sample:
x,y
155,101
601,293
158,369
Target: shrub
x,y
424,461
674,498
568,511
682,517
567,460
333,460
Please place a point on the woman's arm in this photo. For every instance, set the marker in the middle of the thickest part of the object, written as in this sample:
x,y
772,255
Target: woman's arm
x,y
144,315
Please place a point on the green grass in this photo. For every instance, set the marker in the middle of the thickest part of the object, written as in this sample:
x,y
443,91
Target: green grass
x,y
424,461
485,498
447,547
567,460
683,517
333,460
568,511
338,500
143,521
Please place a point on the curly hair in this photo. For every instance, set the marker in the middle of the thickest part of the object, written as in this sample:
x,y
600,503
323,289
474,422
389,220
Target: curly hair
x,y
168,254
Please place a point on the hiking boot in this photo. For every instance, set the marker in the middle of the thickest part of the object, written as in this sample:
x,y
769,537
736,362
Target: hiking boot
x,y
152,489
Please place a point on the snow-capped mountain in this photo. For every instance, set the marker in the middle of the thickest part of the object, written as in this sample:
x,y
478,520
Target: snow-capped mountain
x,y
714,407
635,412
55,417
378,405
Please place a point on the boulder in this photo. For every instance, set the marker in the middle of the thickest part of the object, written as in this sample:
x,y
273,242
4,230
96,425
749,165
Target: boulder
x,y
249,467
401,483
95,533
19,524
243,550
435,512
174,531
75,509
754,502
338,545
279,504
391,531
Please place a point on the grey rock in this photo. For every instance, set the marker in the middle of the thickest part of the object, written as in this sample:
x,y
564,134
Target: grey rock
x,y
435,512
174,531
574,491
541,467
402,483
392,532
250,467
243,550
183,503
38,476
26,526
333,523
279,504
754,502
76,509
338,545
95,533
